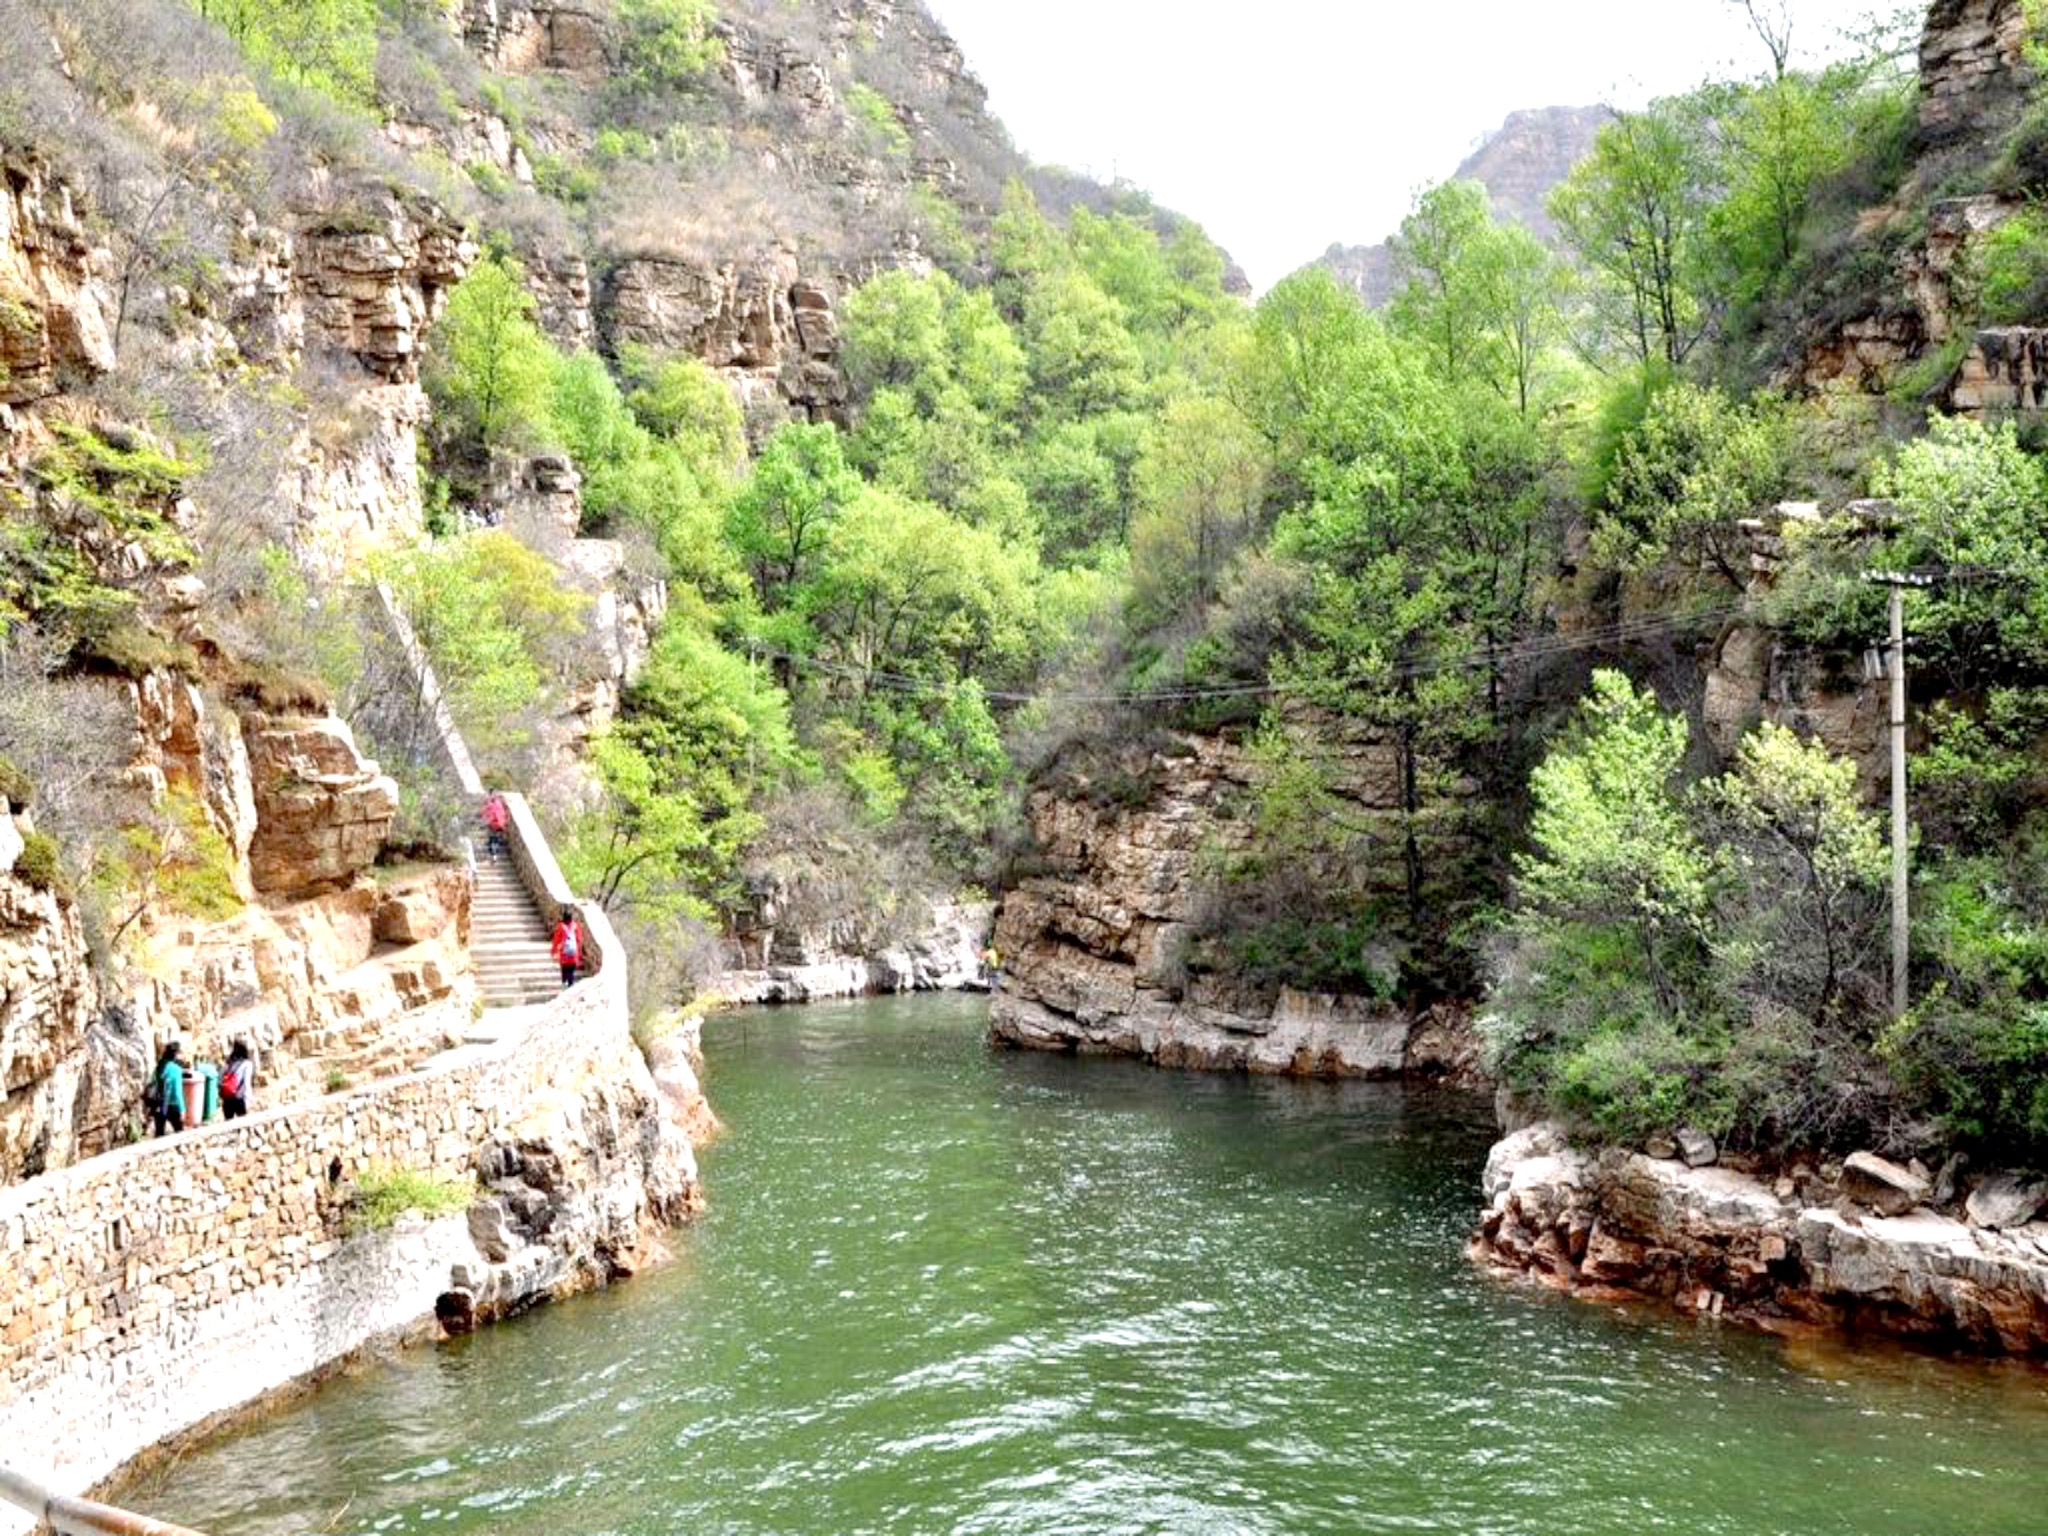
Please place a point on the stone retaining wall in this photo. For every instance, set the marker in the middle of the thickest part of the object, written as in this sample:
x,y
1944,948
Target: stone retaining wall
x,y
147,1291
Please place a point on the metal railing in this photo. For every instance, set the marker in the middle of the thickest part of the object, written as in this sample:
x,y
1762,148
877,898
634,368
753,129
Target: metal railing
x,y
79,1517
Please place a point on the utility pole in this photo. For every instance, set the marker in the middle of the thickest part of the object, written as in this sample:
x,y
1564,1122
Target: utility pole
x,y
1893,668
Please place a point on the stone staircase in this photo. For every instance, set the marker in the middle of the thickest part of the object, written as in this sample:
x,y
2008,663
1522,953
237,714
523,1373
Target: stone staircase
x,y
509,938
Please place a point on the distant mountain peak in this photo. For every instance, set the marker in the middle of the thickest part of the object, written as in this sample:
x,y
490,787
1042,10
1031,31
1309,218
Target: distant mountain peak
x,y
1518,163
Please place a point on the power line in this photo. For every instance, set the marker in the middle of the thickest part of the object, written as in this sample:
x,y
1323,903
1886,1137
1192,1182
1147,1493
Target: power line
x,y
1600,637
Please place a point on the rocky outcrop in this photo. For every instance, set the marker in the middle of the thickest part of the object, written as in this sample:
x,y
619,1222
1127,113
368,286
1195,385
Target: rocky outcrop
x,y
1094,947
1803,1249
49,1007
372,278
1757,675
322,811
518,37
58,294
789,967
762,325
1972,65
2004,373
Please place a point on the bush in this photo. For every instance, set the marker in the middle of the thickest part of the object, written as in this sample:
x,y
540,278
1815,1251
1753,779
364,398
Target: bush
x,y
385,1192
39,862
2012,271
15,789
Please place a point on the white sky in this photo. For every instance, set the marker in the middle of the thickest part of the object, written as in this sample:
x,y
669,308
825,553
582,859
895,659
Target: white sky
x,y
1284,125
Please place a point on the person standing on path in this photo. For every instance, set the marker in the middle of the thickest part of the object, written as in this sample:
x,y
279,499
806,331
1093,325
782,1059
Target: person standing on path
x,y
567,947
167,1107
237,1078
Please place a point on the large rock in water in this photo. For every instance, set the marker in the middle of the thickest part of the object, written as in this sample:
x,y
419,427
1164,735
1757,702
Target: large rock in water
x,y
322,809
1718,1241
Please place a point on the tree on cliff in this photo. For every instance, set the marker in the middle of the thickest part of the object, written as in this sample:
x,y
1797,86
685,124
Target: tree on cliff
x,y
490,369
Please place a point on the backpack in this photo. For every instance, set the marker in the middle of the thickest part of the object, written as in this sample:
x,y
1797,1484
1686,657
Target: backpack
x,y
235,1080
153,1092
572,946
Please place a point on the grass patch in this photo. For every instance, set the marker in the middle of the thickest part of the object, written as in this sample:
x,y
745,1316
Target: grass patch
x,y
385,1192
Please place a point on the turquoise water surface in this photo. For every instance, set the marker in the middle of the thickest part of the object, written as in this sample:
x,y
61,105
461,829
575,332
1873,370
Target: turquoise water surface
x,y
945,1290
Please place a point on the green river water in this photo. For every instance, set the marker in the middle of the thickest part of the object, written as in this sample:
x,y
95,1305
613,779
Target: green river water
x,y
942,1290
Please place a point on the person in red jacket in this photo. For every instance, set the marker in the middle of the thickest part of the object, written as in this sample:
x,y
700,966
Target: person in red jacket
x,y
497,816
567,947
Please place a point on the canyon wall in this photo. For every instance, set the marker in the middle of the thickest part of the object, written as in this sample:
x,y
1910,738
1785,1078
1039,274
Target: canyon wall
x,y
1093,942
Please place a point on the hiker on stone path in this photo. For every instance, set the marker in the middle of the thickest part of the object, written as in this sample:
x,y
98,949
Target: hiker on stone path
x,y
497,817
567,947
237,1078
165,1099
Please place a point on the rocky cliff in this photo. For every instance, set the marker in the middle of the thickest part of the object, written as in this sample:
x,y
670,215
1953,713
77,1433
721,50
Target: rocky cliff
x,y
1519,163
1095,939
1972,171
1955,1261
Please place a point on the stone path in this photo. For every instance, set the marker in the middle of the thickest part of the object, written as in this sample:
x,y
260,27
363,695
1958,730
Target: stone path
x,y
509,938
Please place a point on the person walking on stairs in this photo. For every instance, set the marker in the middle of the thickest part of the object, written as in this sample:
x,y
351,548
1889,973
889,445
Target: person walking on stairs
x,y
567,946
497,816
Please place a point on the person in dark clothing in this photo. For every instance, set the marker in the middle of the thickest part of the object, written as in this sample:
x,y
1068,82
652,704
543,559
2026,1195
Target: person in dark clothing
x,y
167,1107
237,1078
567,947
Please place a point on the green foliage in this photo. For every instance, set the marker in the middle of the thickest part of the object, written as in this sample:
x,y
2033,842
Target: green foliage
x,y
174,861
491,614
127,484
16,789
1683,480
872,109
2012,270
383,1193
326,45
39,863
666,45
1635,213
1695,955
490,370
702,733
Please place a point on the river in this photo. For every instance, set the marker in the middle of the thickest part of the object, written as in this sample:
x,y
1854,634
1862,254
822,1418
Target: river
x,y
941,1291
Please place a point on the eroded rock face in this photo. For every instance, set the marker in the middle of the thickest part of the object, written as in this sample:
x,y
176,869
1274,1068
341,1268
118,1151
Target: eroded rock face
x,y
373,278
785,966
2004,373
1719,1241
322,810
767,328
1972,64
1093,949
48,1004
57,292
520,37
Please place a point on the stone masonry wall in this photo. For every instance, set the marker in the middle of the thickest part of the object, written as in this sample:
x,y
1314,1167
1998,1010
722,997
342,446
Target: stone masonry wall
x,y
147,1291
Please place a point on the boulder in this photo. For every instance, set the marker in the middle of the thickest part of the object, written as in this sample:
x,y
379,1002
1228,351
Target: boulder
x,y
1697,1148
2006,1200
322,809
1883,1186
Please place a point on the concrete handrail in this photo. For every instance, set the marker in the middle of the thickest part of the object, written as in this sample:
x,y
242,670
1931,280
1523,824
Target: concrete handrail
x,y
79,1517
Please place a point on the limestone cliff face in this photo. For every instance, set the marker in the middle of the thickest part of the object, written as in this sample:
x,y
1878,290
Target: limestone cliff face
x,y
1094,947
326,970
1974,81
57,291
1803,1247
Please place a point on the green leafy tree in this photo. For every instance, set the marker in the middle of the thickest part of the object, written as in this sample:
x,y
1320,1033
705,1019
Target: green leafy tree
x,y
1201,485
783,515
489,367
1698,464
667,45
1634,211
329,45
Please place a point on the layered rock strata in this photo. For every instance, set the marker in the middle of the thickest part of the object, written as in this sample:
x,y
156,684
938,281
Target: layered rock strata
x,y
1783,1252
1094,947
